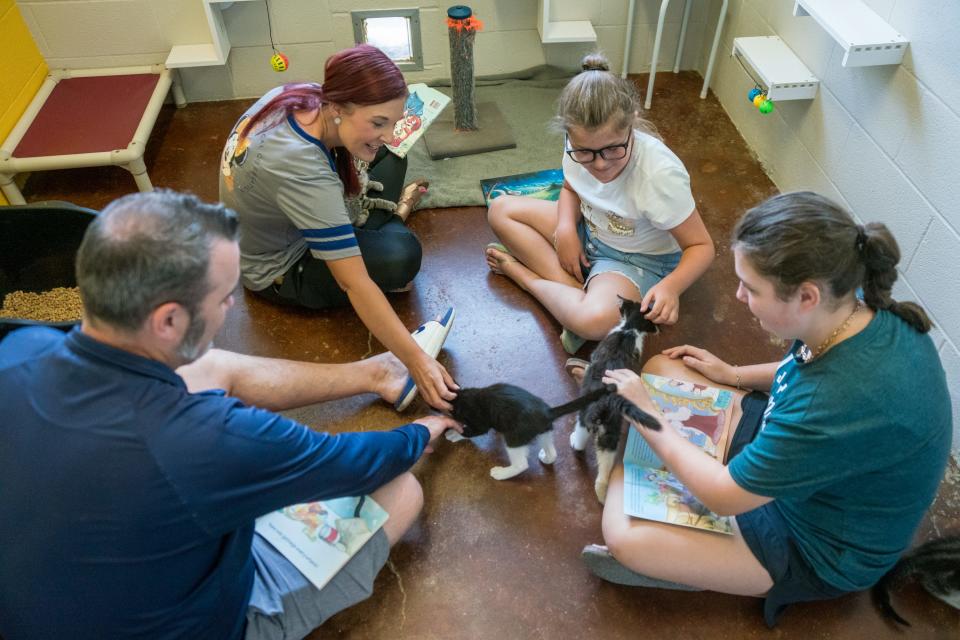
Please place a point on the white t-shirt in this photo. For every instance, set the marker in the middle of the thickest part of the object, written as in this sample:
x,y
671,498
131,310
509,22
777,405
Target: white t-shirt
x,y
634,212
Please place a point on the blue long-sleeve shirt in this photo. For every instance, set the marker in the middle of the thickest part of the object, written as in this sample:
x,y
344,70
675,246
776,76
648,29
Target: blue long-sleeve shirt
x,y
127,503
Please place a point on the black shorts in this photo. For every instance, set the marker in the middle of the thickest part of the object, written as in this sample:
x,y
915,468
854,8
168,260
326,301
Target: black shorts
x,y
768,536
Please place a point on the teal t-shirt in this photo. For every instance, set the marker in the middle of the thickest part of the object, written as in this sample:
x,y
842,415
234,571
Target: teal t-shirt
x,y
852,449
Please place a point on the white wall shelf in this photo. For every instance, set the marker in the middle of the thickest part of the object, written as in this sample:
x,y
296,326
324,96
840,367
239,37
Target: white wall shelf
x,y
866,38
205,54
784,75
552,31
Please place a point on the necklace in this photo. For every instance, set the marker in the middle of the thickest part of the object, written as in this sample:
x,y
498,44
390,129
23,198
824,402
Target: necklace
x,y
806,355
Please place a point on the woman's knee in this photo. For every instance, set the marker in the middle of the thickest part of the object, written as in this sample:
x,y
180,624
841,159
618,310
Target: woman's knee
x,y
395,263
624,541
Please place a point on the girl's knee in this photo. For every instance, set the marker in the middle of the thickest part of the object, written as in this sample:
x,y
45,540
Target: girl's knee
x,y
596,321
500,209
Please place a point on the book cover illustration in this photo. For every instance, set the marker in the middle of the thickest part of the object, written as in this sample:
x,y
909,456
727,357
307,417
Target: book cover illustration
x,y
543,185
318,538
702,415
423,106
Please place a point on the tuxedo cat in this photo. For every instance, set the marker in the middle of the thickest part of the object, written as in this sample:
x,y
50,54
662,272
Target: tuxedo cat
x,y
936,564
520,416
621,349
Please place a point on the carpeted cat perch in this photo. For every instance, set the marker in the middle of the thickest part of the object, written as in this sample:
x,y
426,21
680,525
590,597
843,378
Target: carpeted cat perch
x,y
471,127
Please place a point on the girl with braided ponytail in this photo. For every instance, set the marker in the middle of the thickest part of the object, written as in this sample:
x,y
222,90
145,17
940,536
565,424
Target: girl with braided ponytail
x,y
286,169
831,479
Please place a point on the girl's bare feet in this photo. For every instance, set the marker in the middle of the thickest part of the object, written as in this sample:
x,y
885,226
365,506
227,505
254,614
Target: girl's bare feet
x,y
504,264
410,197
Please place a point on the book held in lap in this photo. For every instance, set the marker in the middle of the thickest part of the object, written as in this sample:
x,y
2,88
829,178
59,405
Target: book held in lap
x,y
318,538
703,416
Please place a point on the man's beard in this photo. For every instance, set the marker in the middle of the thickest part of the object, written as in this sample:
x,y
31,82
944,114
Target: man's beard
x,y
190,348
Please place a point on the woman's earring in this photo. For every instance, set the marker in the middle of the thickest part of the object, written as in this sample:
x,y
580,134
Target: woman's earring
x,y
337,121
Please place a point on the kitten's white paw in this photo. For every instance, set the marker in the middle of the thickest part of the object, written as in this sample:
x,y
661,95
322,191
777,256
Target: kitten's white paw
x,y
503,473
601,489
547,457
579,438
453,436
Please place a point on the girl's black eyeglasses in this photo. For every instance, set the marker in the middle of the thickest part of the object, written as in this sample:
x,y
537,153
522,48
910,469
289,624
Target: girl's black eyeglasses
x,y
586,156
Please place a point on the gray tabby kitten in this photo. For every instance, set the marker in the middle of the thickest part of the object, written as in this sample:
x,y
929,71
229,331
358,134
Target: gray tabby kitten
x,y
936,564
359,206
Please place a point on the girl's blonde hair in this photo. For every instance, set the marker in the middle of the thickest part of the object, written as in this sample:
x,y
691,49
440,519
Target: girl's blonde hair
x,y
596,97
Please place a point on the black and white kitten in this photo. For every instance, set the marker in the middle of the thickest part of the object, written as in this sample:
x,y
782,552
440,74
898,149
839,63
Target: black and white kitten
x,y
936,564
520,416
603,419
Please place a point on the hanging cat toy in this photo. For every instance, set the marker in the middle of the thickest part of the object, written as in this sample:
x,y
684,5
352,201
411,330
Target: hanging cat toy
x,y
758,97
278,61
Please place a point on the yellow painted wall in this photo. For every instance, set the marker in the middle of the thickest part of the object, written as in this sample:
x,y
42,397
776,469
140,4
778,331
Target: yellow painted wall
x,y
22,68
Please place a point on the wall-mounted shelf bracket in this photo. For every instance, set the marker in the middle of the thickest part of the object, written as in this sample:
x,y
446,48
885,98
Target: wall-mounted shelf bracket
x,y
205,54
552,31
784,75
866,38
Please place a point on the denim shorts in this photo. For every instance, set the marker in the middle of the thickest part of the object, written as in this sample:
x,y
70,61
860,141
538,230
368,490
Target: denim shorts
x,y
642,269
284,604
768,536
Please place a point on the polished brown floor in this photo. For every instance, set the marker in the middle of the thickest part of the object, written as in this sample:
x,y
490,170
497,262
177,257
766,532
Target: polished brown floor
x,y
501,559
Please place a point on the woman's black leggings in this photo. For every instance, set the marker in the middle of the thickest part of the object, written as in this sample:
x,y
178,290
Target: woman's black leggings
x,y
390,251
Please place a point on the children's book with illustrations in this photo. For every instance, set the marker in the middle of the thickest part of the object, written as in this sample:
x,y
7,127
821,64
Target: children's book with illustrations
x,y
319,537
423,106
543,185
703,415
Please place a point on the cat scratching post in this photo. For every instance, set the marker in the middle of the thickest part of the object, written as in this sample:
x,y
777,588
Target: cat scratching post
x,y
471,128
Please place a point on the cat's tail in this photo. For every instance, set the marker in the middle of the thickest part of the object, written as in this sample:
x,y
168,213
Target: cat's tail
x,y
583,401
636,414
881,591
930,561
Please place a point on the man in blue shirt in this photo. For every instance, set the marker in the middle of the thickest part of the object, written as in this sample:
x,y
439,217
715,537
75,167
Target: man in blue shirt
x,y
133,461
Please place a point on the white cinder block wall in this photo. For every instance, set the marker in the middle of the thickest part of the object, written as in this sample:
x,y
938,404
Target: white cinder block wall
x,y
100,33
883,141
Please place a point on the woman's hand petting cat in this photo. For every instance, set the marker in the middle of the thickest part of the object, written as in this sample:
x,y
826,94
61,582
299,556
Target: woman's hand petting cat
x,y
570,252
662,303
631,387
704,362
433,381
437,425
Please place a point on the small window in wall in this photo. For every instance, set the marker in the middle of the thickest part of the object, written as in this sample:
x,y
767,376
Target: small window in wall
x,y
396,32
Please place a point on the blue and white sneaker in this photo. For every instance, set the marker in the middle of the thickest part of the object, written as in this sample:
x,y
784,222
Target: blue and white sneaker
x,y
430,336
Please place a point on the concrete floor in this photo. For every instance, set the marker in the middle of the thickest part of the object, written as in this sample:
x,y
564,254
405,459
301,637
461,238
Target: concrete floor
x,y
501,559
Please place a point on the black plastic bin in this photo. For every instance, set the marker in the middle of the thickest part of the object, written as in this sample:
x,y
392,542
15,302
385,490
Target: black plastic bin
x,y
38,248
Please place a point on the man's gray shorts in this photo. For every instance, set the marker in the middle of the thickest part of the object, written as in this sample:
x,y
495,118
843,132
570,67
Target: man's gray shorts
x,y
284,604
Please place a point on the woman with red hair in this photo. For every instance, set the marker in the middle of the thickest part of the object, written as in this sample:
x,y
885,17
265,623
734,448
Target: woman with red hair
x,y
289,163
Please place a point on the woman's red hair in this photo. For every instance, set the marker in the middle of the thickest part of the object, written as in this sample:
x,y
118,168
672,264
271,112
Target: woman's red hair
x,y
362,75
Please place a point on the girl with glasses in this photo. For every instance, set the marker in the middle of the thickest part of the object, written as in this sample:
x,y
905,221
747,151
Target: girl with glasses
x,y
625,225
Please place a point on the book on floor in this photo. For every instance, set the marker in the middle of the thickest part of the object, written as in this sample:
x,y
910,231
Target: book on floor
x,y
318,538
543,185
703,416
423,106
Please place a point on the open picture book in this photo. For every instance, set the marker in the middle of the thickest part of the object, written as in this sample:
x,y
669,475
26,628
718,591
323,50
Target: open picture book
x,y
422,108
318,538
703,416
